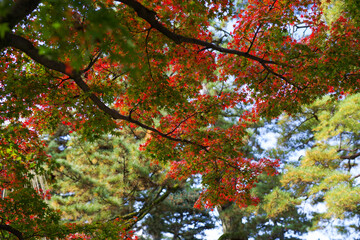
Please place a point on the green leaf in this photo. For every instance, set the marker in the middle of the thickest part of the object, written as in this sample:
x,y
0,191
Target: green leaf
x,y
4,27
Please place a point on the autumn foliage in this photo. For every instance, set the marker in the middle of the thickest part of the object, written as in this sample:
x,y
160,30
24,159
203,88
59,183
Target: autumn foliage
x,y
100,66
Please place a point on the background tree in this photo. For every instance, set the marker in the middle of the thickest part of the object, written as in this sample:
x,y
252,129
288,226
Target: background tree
x,y
277,216
334,9
107,179
260,222
110,178
177,216
327,172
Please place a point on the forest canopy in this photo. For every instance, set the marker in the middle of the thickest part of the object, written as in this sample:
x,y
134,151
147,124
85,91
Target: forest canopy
x,y
187,79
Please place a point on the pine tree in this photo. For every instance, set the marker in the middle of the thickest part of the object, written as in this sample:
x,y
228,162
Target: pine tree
x,y
110,178
328,171
177,216
106,179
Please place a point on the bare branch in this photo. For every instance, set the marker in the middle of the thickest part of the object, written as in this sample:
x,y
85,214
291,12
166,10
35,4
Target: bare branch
x,y
356,176
254,38
280,76
147,53
184,120
351,156
348,150
92,62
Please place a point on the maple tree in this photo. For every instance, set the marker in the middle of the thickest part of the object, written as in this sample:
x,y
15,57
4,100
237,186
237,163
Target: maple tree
x,y
98,66
23,210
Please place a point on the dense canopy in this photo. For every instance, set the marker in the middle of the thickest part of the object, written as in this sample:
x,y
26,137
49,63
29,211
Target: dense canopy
x,y
171,68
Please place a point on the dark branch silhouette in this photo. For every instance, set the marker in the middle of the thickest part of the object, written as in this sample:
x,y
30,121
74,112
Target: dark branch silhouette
x,y
12,230
150,16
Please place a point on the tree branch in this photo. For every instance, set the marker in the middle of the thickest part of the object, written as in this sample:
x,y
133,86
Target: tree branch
x,y
148,207
92,62
150,16
181,122
27,47
280,76
254,38
12,230
356,176
19,10
351,156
